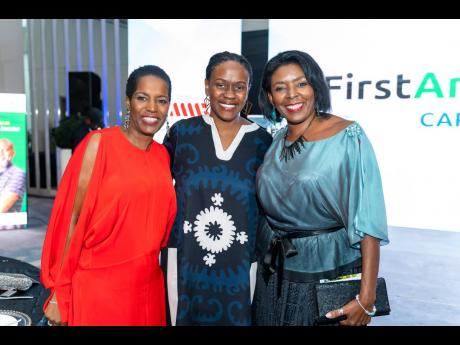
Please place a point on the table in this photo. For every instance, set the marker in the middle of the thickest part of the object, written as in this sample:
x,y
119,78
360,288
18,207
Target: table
x,y
34,306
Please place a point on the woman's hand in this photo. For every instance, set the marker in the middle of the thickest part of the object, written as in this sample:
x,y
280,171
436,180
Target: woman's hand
x,y
355,314
53,314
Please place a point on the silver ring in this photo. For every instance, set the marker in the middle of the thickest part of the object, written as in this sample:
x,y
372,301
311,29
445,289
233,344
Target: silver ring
x,y
50,323
341,311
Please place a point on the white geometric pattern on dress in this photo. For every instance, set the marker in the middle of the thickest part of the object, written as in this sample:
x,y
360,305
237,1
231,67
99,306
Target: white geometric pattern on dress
x,y
242,237
214,230
217,216
209,259
187,227
217,199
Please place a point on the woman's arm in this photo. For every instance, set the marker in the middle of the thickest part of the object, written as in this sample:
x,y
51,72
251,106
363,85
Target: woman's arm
x,y
370,252
52,311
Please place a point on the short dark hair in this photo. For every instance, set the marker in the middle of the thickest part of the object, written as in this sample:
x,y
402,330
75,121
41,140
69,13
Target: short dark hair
x,y
313,73
133,79
219,58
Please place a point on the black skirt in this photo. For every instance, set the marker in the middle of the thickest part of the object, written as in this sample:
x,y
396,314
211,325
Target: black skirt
x,y
295,305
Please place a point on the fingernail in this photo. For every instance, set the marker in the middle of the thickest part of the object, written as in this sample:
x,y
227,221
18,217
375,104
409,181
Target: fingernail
x,y
328,315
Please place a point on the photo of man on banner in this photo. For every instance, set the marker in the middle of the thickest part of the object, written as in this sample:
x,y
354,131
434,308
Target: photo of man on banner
x,y
12,179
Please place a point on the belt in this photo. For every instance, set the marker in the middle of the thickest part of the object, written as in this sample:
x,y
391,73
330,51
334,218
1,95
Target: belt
x,y
281,246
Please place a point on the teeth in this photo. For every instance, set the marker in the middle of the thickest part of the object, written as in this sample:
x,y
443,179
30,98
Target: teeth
x,y
294,107
228,106
150,120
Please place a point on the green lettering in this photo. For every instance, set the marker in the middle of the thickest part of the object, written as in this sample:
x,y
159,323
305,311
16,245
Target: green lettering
x,y
436,88
453,87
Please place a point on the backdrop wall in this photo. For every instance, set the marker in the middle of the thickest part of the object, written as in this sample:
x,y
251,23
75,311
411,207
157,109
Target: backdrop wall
x,y
400,79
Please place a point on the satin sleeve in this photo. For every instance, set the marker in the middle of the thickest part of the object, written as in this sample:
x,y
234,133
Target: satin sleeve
x,y
363,199
57,272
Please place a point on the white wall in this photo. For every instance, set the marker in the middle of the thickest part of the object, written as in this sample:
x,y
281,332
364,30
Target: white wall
x,y
418,162
11,56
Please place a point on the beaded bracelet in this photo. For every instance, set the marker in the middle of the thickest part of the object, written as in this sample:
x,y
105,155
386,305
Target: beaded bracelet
x,y
374,309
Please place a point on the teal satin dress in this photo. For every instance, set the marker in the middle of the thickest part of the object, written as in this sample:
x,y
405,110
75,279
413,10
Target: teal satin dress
x,y
332,183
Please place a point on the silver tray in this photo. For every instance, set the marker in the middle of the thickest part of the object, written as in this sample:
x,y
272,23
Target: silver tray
x,y
23,318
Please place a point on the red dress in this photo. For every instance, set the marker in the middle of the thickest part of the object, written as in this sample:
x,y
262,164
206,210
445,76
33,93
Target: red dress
x,y
111,273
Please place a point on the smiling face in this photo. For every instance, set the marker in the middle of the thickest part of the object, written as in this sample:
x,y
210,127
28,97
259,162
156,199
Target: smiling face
x,y
148,105
292,94
228,89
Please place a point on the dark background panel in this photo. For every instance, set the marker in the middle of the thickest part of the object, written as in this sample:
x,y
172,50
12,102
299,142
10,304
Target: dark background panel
x,y
254,46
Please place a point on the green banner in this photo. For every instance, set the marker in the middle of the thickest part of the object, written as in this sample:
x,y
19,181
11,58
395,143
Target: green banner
x,y
13,168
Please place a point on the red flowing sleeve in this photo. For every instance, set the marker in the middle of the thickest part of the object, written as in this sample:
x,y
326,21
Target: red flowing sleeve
x,y
56,271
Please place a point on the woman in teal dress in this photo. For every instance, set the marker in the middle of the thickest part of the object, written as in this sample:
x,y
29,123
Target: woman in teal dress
x,y
321,191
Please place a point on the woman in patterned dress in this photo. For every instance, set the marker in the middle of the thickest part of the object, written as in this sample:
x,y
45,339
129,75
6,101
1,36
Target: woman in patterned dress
x,y
214,159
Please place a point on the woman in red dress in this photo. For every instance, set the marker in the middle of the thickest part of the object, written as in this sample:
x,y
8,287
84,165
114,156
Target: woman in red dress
x,y
112,214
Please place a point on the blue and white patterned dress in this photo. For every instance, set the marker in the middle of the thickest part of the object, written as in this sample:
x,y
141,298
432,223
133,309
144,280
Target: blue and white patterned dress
x,y
215,227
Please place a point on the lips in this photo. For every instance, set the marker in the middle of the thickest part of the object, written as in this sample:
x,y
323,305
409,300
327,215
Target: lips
x,y
292,108
150,120
227,106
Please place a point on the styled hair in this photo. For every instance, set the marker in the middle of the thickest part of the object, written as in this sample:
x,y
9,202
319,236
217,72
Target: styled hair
x,y
219,58
312,72
133,79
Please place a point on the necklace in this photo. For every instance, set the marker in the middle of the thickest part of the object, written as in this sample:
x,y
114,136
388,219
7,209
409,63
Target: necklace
x,y
289,151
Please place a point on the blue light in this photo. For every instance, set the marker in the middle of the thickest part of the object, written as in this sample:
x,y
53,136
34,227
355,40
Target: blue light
x,y
105,93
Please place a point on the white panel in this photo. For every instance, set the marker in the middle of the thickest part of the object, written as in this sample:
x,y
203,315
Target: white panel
x,y
13,102
419,163
11,56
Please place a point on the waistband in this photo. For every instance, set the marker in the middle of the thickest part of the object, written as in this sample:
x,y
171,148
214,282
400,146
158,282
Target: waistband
x,y
281,246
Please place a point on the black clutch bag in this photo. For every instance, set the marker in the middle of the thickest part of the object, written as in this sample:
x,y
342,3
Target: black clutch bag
x,y
334,295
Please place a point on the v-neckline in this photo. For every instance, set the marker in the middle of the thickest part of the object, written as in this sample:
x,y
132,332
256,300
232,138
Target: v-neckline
x,y
131,145
227,154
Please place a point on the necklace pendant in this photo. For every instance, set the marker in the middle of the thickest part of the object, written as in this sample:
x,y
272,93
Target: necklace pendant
x,y
288,152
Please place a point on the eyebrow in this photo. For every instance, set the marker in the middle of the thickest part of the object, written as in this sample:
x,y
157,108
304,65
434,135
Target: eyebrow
x,y
137,93
236,82
296,79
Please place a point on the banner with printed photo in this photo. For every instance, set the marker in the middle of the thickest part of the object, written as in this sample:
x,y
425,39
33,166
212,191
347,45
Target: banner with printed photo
x,y
13,161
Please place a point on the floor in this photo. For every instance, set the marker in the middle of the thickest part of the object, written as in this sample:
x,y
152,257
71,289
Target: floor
x,y
421,268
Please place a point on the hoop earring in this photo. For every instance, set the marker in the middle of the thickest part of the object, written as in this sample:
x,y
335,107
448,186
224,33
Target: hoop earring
x,y
127,120
207,103
246,109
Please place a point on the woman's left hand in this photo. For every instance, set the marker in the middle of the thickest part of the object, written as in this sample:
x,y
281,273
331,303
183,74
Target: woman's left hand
x,y
355,314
